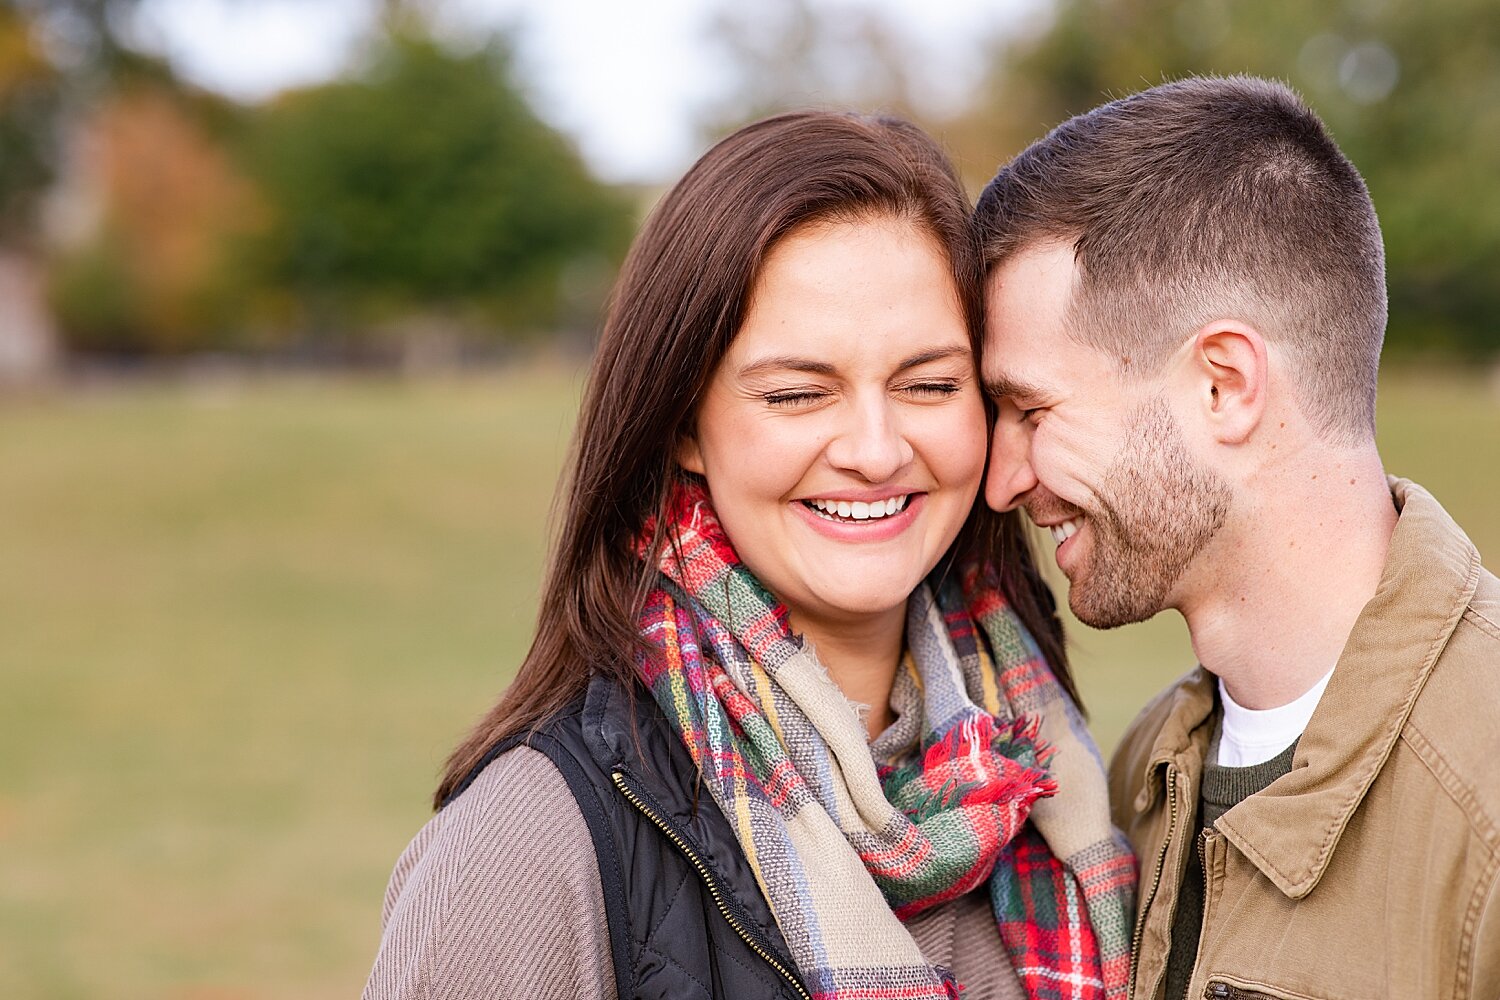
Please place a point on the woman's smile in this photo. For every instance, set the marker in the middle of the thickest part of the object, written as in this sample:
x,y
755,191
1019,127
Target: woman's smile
x,y
847,520
859,510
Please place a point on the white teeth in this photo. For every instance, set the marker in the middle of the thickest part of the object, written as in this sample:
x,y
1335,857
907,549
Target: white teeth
x,y
1062,532
859,510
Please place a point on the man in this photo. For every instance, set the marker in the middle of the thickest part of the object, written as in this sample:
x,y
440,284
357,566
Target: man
x,y
1186,302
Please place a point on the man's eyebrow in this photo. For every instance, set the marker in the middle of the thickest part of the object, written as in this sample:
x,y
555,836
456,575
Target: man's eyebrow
x,y
1014,388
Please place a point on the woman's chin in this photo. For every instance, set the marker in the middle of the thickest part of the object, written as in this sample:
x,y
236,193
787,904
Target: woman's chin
x,y
849,606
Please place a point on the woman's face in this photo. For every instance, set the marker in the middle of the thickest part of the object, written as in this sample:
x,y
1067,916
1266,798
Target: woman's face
x,y
843,434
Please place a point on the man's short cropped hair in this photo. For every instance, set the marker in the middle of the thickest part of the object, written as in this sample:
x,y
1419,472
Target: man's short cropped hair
x,y
1209,198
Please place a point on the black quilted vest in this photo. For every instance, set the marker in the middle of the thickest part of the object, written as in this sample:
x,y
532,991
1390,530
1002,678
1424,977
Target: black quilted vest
x,y
686,917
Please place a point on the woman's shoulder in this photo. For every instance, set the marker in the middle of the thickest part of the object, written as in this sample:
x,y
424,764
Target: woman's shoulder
x,y
460,910
494,821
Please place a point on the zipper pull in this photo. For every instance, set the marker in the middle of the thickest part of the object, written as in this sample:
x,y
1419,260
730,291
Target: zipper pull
x,y
1218,991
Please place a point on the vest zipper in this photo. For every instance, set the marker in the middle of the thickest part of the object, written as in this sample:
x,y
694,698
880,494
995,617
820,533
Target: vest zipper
x,y
1161,864
708,880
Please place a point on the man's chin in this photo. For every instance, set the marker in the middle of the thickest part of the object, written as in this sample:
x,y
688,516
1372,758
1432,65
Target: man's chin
x,y
1109,610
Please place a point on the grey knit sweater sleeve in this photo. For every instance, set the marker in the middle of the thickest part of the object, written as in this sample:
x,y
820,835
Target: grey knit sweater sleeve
x,y
498,895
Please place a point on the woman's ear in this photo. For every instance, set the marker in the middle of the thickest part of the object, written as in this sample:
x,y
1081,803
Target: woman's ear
x,y
689,455
1229,371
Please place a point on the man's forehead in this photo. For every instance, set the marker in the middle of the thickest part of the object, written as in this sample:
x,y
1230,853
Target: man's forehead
x,y
1029,354
1030,292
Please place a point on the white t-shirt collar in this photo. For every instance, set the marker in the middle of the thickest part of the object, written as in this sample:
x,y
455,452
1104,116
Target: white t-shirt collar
x,y
1253,736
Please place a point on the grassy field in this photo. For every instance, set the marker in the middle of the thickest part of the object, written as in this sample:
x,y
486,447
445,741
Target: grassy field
x,y
242,624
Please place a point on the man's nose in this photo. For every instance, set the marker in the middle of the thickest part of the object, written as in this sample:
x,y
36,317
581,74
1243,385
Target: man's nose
x,y
1010,476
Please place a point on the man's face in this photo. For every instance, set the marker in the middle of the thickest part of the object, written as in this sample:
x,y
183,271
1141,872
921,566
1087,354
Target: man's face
x,y
1096,458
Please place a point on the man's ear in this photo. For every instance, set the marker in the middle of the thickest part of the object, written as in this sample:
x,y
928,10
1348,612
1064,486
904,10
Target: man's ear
x,y
689,455
1229,373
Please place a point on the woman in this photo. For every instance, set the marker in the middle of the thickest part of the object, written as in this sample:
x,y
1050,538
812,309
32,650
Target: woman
x,y
769,740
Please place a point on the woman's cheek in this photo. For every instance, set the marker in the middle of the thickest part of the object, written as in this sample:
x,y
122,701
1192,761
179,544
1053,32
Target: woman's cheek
x,y
962,443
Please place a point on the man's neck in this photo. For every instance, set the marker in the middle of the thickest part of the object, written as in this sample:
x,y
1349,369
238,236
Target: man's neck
x,y
1277,602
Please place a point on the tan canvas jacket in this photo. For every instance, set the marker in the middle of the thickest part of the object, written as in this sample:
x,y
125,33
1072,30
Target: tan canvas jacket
x,y
1370,871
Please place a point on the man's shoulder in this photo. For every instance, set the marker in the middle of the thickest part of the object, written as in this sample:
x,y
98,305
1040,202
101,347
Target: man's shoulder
x,y
1464,684
1452,725
1483,612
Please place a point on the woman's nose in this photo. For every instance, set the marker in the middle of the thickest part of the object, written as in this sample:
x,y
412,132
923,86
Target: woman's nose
x,y
871,444
1010,476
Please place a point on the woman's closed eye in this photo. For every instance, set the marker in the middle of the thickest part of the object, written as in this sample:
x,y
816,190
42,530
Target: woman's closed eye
x,y
791,399
931,388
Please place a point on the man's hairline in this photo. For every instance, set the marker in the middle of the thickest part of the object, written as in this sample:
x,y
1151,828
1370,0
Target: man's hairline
x,y
1072,322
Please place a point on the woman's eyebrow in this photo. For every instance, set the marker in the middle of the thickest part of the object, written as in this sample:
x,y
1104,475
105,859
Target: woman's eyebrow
x,y
936,354
786,362
790,362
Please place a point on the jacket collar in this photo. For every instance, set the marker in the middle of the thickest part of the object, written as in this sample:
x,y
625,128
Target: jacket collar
x,y
1290,830
1191,702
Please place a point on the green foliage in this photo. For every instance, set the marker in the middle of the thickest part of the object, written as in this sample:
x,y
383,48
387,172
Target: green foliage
x,y
427,184
1410,90
94,297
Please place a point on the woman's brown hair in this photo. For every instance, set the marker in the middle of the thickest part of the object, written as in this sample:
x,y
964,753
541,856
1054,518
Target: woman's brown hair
x,y
678,303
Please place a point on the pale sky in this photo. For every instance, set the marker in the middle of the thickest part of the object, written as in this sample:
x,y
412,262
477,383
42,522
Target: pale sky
x,y
622,77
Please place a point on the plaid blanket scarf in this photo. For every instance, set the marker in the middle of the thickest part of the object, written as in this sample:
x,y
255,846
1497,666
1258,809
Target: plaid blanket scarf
x,y
846,837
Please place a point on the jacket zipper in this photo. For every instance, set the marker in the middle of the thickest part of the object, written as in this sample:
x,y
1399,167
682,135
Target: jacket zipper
x,y
1203,917
708,880
1161,864
1224,991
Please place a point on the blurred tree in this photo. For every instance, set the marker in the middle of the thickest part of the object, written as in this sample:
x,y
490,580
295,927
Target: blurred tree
x,y
30,98
55,55
1410,89
425,186
84,37
113,148
154,268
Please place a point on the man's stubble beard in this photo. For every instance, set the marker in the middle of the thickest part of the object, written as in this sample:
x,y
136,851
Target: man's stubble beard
x,y
1155,510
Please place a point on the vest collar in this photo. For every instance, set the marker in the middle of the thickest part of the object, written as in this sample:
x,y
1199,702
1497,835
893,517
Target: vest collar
x,y
625,732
